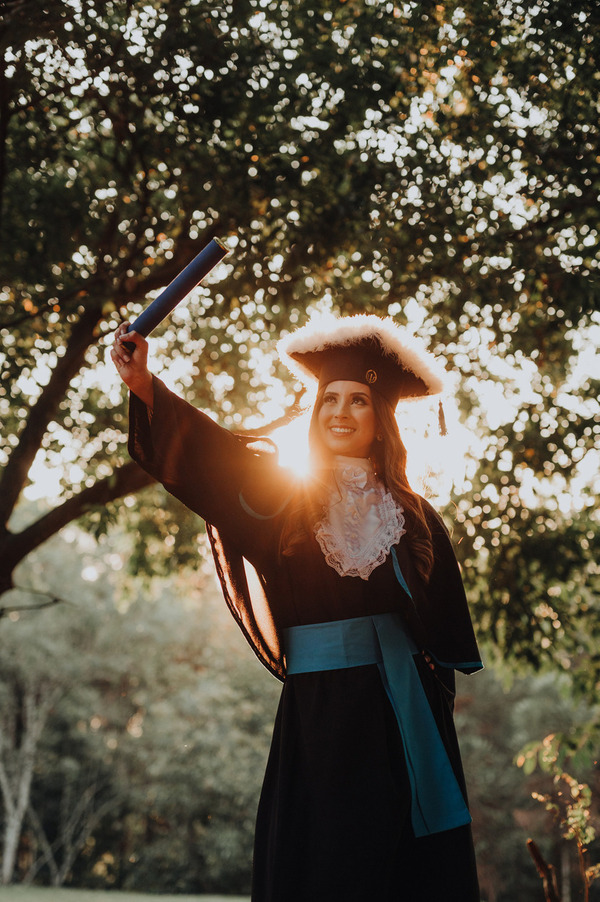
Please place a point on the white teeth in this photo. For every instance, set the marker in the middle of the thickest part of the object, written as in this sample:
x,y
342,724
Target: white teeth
x,y
341,430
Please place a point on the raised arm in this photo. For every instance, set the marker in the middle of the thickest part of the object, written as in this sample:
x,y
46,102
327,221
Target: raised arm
x,y
208,468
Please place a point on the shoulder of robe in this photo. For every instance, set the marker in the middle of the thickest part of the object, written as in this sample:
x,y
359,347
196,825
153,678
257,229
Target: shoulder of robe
x,y
436,522
267,487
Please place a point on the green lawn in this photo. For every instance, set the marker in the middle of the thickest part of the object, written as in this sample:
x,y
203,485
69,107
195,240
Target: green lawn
x,y
49,894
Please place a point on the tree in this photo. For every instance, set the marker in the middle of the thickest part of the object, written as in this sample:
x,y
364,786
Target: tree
x,y
38,672
153,739
82,808
26,706
499,723
388,156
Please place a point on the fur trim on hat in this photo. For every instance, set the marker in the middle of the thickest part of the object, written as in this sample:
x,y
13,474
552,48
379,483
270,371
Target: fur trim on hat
x,y
328,331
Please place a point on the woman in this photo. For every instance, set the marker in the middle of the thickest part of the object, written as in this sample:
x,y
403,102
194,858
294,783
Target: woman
x,y
358,607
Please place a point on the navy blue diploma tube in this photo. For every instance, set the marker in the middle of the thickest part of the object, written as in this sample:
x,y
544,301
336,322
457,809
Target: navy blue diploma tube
x,y
176,290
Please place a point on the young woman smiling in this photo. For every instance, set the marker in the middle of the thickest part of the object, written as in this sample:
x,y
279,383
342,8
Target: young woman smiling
x,y
347,420
358,608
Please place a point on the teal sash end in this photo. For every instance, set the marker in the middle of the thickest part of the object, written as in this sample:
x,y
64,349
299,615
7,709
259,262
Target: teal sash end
x,y
437,801
399,574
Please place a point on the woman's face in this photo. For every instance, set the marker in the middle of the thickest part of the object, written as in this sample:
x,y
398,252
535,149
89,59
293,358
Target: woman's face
x,y
346,419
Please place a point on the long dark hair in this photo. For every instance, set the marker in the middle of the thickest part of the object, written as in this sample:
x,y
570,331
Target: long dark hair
x,y
389,460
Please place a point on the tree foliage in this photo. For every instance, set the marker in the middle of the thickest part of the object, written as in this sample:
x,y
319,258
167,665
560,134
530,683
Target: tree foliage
x,y
499,725
396,157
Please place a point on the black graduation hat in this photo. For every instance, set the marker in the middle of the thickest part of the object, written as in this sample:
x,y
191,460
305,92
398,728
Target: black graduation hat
x,y
362,348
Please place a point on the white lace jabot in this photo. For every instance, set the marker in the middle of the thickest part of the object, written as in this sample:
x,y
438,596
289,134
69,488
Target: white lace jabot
x,y
362,521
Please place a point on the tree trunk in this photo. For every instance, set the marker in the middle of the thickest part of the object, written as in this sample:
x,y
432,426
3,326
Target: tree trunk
x,y
47,856
16,769
14,547
12,832
15,805
14,474
565,873
546,872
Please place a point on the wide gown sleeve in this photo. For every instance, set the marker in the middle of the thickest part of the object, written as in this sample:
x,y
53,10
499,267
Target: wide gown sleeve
x,y
212,471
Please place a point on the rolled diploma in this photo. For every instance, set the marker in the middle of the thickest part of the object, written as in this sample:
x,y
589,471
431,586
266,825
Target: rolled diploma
x,y
176,290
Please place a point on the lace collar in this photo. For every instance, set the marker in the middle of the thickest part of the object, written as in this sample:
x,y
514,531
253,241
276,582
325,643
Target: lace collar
x,y
361,521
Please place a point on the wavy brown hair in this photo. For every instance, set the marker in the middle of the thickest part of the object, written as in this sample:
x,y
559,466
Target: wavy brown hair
x,y
389,460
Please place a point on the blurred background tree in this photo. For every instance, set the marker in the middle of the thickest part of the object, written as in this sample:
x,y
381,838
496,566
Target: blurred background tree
x,y
434,161
148,760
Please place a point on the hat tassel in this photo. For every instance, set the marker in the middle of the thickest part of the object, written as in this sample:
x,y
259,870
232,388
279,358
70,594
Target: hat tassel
x,y
442,420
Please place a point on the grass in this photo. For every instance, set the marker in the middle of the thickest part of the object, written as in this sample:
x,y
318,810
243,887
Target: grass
x,y
50,894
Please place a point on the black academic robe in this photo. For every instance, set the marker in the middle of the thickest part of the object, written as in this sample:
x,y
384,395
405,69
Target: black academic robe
x,y
334,815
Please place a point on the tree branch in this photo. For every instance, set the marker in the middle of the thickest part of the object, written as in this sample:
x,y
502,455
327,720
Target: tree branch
x,y
4,120
5,787
47,856
129,478
15,473
54,599
291,413
546,872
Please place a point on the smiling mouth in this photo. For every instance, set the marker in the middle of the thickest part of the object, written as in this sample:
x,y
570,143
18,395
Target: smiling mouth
x,y
341,430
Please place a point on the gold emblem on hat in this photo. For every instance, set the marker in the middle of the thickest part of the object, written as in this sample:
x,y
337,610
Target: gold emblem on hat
x,y
371,376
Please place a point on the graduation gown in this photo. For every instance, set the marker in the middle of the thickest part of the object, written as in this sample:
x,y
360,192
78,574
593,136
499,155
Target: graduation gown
x,y
334,815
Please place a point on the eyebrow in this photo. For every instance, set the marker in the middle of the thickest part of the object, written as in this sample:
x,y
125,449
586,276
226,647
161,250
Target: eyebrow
x,y
354,394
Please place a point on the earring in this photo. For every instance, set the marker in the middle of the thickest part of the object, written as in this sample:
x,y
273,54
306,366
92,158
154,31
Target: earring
x,y
379,437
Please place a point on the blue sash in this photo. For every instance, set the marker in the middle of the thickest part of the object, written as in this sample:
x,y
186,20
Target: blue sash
x,y
437,801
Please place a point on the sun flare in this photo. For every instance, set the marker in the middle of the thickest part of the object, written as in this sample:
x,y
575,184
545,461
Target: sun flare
x,y
435,462
292,443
